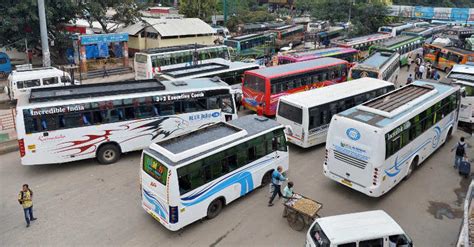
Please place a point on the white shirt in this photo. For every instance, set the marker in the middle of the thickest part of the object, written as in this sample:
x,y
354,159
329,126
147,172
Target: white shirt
x,y
422,68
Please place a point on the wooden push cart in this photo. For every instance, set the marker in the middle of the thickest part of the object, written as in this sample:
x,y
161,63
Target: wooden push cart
x,y
301,211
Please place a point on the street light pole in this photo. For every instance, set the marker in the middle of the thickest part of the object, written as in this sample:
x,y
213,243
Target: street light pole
x,y
44,34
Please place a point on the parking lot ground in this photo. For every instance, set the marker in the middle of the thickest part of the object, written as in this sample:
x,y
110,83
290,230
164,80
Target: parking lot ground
x,y
86,204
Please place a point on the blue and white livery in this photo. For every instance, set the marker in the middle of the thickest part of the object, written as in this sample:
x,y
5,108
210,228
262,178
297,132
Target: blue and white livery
x,y
193,176
373,146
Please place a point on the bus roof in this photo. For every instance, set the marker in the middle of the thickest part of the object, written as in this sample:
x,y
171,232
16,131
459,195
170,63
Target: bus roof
x,y
202,142
397,40
20,74
356,40
176,48
320,52
247,36
214,65
377,60
120,88
334,92
391,107
291,68
462,72
347,228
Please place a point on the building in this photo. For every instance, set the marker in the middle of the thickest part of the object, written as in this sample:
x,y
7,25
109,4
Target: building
x,y
162,32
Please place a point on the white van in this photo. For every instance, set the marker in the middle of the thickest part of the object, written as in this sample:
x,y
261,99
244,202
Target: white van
x,y
371,228
23,79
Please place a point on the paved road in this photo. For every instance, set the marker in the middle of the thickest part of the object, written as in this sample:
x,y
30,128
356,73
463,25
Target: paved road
x,y
83,203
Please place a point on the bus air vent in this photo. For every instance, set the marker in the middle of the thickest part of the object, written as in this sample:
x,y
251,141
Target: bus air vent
x,y
179,83
361,164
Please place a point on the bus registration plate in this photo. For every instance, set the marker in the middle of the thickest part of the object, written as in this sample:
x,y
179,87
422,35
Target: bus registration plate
x,y
346,182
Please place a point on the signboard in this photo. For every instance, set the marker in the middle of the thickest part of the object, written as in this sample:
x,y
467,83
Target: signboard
x,y
437,13
103,38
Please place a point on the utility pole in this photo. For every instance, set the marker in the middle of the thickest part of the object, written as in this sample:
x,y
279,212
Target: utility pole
x,y
44,34
225,12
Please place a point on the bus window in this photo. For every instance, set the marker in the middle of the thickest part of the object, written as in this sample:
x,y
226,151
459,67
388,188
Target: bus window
x,y
50,81
371,243
29,83
347,245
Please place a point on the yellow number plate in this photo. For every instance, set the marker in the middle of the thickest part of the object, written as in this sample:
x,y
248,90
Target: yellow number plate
x,y
346,182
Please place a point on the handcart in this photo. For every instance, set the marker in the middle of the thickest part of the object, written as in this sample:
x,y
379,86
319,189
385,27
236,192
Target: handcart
x,y
301,211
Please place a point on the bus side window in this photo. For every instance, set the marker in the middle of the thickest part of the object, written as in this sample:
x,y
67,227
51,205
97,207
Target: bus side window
x,y
166,109
371,243
399,240
50,81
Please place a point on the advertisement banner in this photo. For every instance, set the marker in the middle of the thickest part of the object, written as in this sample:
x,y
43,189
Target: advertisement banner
x,y
424,12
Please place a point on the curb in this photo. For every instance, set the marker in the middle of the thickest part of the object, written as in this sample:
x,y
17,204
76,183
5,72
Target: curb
x,y
8,146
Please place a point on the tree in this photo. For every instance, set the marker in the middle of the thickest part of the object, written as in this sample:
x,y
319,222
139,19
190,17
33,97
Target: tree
x,y
366,16
20,21
202,9
124,12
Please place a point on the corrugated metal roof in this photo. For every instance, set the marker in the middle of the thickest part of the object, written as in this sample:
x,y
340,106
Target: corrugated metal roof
x,y
178,27
132,29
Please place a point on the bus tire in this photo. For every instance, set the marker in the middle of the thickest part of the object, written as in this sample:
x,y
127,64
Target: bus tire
x,y
267,178
215,208
108,154
413,165
449,135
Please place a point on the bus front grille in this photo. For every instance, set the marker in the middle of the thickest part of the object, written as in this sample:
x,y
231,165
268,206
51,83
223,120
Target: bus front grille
x,y
350,160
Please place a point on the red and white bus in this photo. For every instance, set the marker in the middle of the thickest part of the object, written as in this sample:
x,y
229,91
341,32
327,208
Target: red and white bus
x,y
348,54
263,87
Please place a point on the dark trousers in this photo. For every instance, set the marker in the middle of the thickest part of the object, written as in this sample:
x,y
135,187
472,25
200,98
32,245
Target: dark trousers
x,y
28,212
276,190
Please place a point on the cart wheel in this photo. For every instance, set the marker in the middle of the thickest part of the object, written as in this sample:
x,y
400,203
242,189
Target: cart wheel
x,y
296,221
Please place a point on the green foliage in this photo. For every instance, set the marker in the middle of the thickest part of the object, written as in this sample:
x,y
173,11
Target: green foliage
x,y
366,17
19,21
126,11
202,9
249,17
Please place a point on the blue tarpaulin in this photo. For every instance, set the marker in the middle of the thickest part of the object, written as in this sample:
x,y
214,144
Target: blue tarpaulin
x,y
92,51
103,50
118,50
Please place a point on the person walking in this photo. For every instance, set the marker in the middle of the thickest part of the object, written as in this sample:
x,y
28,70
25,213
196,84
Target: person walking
x,y
409,79
460,148
287,195
25,198
422,71
417,71
105,70
409,62
277,180
436,75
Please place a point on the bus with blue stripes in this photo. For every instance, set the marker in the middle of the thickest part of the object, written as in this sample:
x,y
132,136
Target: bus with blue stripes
x,y
373,146
193,176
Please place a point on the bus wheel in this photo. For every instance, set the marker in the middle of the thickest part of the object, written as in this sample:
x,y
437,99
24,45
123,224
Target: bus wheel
x,y
450,133
412,167
214,208
108,154
267,178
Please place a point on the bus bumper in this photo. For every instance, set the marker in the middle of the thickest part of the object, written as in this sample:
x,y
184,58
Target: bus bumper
x,y
372,191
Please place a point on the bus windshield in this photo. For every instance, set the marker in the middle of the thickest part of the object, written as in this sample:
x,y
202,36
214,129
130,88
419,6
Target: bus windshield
x,y
255,83
358,73
290,112
141,58
319,237
155,169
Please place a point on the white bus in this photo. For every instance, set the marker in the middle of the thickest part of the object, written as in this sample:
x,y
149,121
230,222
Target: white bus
x,y
228,71
364,229
395,28
373,146
309,113
380,65
58,125
463,75
22,80
150,62
193,176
